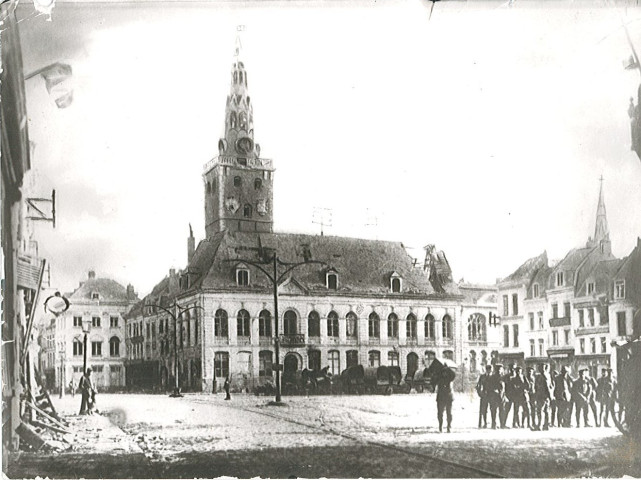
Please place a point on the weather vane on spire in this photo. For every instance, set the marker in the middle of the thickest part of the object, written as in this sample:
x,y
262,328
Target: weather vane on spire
x,y
239,45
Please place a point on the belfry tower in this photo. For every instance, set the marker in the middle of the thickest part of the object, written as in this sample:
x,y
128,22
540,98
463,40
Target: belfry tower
x,y
601,230
238,183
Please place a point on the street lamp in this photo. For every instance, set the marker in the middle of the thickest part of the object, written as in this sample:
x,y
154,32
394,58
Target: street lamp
x,y
268,256
86,328
176,392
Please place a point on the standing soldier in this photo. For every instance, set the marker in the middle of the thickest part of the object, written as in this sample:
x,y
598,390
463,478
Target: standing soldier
x,y
582,390
606,391
508,399
520,389
495,392
226,387
482,390
531,397
592,400
544,394
444,397
563,397
555,420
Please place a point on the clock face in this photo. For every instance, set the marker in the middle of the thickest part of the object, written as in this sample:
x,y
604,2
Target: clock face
x,y
244,145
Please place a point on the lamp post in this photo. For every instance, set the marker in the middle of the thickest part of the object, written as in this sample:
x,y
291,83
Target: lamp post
x,y
268,256
176,392
86,328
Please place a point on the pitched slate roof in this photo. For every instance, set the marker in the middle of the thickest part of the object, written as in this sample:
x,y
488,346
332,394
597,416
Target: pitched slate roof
x,y
526,272
363,266
473,293
109,291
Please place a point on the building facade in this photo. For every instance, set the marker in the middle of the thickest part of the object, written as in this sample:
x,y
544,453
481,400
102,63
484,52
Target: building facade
x,y
569,314
97,307
346,302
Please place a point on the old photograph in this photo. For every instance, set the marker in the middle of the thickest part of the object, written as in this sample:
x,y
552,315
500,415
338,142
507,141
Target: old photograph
x,y
321,238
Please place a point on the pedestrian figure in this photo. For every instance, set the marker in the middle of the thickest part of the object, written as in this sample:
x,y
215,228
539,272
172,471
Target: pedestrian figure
x,y
544,394
582,389
87,391
226,388
72,387
554,420
563,396
444,396
606,391
495,392
592,400
508,398
520,389
213,388
531,397
482,390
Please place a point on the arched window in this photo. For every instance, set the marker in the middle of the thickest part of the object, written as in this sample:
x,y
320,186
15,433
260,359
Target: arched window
x,y
392,359
392,326
290,324
208,188
265,363
374,358
258,184
396,285
472,361
476,327
240,77
351,324
412,364
410,326
374,326
332,281
232,120
235,76
448,355
430,333
334,361
313,324
242,277
332,324
247,211
352,358
220,323
264,324
447,326
242,323
238,181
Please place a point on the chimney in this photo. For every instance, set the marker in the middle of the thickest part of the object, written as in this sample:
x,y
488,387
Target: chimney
x,y
92,274
191,245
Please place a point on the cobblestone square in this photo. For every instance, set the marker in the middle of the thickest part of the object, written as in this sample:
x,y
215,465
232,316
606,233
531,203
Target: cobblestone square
x,y
202,435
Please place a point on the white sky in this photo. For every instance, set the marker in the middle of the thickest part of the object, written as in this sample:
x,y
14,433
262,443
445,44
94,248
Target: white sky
x,y
483,130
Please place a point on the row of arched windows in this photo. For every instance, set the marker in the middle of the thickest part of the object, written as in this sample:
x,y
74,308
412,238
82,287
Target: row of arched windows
x,y
291,327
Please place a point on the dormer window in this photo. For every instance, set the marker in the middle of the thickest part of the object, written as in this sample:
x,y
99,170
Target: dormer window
x,y
590,288
95,296
396,283
242,276
331,279
559,279
619,289
535,290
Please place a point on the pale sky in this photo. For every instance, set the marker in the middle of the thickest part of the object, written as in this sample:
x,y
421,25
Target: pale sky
x,y
483,130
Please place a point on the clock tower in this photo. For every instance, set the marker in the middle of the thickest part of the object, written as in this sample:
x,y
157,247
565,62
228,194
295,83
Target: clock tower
x,y
238,182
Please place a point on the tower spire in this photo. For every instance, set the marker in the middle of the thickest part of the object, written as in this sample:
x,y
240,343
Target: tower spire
x,y
601,231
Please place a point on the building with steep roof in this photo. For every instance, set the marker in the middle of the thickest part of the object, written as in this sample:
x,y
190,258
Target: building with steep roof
x,y
98,304
569,314
350,301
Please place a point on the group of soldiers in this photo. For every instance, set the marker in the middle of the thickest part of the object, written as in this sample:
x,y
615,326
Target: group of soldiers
x,y
543,400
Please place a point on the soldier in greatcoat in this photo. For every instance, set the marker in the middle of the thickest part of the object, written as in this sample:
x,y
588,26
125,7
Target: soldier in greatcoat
x,y
495,392
592,401
508,399
606,391
544,391
531,395
482,390
520,388
444,396
563,396
581,391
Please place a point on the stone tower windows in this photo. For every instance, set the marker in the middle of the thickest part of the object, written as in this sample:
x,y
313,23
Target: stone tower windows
x,y
247,211
208,188
238,182
232,120
258,184
235,77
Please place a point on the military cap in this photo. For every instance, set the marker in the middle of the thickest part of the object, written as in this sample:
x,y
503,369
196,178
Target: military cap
x,y
583,370
564,369
518,367
488,367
